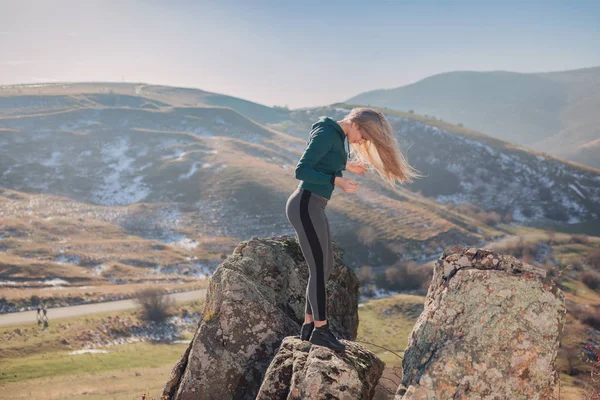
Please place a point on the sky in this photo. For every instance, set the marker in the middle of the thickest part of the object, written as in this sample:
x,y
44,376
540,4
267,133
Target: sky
x,y
290,53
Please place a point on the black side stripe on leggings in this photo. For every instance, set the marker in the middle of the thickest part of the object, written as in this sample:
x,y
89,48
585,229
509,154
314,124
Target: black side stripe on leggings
x,y
316,250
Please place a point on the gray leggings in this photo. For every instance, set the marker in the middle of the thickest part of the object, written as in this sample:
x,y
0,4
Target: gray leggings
x,y
306,212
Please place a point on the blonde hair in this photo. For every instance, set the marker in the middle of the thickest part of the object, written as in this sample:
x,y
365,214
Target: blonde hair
x,y
382,150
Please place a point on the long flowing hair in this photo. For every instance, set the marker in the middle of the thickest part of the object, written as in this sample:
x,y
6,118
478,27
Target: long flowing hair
x,y
382,150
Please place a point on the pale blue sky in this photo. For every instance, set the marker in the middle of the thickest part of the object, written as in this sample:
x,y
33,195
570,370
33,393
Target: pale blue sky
x,y
299,53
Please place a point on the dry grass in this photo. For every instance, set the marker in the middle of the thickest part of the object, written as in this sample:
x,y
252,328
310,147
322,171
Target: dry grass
x,y
108,385
106,290
67,239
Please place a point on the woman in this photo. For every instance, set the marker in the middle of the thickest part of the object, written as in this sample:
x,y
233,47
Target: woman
x,y
371,138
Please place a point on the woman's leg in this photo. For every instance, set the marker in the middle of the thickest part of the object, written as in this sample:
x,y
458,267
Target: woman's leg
x,y
306,212
292,208
308,314
329,259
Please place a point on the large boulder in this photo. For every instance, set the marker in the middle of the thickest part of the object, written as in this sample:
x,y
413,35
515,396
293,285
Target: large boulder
x,y
490,330
304,371
255,299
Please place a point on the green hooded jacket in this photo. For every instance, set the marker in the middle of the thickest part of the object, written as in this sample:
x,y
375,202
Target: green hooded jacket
x,y
324,158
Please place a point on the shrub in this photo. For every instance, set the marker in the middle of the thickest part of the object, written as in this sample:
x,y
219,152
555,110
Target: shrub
x,y
580,239
593,258
590,356
474,211
591,280
592,319
588,317
35,300
552,237
573,366
156,306
551,270
367,235
577,265
365,275
368,290
521,249
491,218
405,276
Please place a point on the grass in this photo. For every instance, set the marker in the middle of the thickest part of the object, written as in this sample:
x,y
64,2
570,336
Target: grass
x,y
36,363
40,367
580,293
390,331
62,238
62,336
119,358
106,385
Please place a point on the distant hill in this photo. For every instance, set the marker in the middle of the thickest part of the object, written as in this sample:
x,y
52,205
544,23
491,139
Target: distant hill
x,y
24,99
554,112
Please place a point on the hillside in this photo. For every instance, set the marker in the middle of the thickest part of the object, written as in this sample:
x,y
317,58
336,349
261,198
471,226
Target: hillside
x,y
464,166
121,188
552,112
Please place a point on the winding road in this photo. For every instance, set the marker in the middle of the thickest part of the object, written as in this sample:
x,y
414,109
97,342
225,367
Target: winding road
x,y
85,309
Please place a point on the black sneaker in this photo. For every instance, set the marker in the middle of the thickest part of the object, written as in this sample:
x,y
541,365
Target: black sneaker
x,y
322,336
306,330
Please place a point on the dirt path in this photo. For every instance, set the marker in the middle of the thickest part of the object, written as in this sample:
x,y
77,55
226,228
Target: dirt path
x,y
84,309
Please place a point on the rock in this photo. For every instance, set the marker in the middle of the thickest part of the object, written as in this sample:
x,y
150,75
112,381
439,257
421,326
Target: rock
x,y
304,371
464,262
490,330
255,299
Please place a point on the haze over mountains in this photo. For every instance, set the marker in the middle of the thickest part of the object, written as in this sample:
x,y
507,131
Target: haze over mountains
x,y
553,112
198,172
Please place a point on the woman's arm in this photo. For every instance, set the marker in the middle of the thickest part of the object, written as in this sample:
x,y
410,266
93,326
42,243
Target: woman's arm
x,y
319,145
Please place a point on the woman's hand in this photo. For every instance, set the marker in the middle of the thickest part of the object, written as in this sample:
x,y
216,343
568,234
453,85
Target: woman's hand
x,y
346,184
356,168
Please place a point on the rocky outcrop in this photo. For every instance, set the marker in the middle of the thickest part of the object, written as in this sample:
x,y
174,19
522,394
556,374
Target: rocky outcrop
x,y
490,329
301,370
255,299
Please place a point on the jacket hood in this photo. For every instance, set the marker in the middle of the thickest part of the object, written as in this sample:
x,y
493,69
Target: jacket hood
x,y
327,121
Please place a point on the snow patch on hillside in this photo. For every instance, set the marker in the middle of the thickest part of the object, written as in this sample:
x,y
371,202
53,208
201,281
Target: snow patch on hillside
x,y
497,178
119,185
55,161
190,173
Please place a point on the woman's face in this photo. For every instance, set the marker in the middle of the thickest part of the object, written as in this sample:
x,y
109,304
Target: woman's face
x,y
357,135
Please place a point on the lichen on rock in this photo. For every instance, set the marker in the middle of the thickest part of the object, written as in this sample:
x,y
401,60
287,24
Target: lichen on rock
x,y
302,371
255,299
490,329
